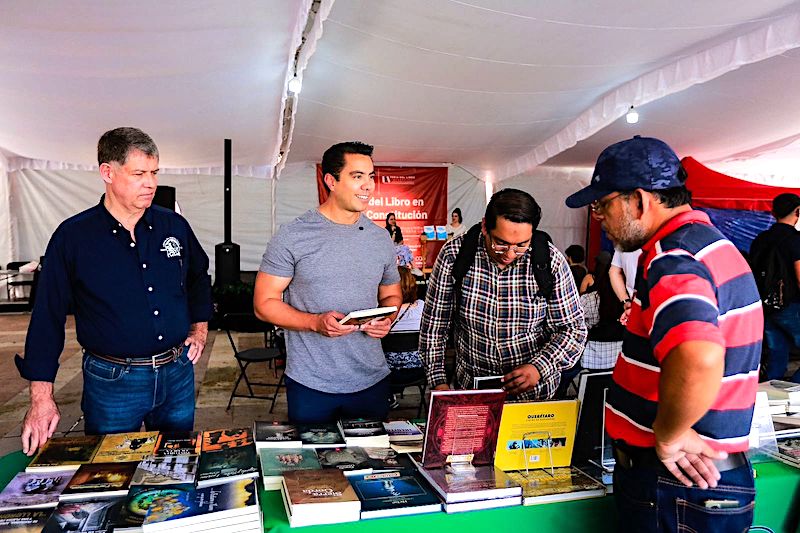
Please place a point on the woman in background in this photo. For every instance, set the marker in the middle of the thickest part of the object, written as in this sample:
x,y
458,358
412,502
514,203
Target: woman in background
x,y
394,230
456,226
406,366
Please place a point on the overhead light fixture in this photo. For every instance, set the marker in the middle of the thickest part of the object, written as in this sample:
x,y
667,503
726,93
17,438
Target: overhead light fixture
x,y
632,117
295,85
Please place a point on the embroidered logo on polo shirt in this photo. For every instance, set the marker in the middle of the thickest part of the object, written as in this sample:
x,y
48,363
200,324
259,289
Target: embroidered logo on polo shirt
x,y
172,246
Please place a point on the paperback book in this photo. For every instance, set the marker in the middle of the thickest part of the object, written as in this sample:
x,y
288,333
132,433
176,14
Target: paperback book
x,y
462,427
99,480
563,484
234,503
276,461
363,316
126,447
94,516
177,443
394,494
364,432
382,459
227,464
402,431
320,435
34,490
169,470
781,390
138,501
319,497
536,435
276,435
24,520
472,484
222,439
351,460
62,453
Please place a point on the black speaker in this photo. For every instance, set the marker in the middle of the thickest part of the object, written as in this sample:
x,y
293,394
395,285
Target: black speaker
x,y
165,197
226,263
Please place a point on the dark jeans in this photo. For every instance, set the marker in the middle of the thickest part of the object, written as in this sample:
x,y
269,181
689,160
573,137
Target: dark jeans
x,y
781,332
117,398
307,406
652,500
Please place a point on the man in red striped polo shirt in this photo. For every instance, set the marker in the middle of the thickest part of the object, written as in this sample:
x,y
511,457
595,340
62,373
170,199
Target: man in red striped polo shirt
x,y
680,409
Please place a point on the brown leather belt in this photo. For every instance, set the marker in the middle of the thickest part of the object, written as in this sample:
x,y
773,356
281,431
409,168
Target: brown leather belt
x,y
155,361
629,457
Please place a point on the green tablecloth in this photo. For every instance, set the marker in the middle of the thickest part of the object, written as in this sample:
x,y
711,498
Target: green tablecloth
x,y
777,507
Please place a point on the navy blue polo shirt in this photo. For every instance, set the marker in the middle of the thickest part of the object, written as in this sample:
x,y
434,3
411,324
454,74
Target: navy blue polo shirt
x,y
130,299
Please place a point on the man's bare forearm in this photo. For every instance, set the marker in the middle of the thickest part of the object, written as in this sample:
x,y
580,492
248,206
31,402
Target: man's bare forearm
x,y
281,314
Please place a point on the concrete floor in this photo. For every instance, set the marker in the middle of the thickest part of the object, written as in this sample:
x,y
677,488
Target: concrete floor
x,y
214,378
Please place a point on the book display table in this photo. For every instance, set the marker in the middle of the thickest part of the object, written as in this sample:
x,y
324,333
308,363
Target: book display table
x,y
777,507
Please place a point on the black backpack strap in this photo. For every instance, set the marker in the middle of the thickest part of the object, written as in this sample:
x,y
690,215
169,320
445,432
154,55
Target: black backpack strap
x,y
463,261
542,268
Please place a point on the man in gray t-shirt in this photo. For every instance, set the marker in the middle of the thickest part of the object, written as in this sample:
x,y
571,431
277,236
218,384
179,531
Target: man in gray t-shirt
x,y
316,269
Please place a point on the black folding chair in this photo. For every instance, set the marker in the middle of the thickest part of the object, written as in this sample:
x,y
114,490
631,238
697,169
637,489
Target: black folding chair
x,y
16,280
406,341
248,323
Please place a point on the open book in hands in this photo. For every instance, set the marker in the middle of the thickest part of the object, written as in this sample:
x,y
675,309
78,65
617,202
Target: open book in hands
x,y
365,315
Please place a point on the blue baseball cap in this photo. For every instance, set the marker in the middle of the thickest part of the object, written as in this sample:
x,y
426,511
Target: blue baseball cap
x,y
638,163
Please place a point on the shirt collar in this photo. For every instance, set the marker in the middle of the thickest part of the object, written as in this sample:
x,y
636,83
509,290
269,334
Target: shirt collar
x,y
687,217
113,223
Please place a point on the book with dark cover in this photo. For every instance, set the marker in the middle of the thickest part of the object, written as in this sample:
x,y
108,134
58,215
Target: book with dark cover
x,y
381,459
136,504
125,447
223,439
62,453
394,493
84,516
228,464
193,508
350,460
276,461
471,483
462,427
34,490
364,432
320,435
171,470
24,520
177,443
567,483
402,430
276,435
99,480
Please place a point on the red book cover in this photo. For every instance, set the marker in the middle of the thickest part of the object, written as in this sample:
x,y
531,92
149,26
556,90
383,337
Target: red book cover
x,y
462,427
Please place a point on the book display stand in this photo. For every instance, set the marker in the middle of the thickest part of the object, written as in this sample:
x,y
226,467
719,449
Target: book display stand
x,y
535,437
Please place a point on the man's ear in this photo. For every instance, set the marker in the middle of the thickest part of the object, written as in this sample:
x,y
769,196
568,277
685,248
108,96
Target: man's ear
x,y
329,180
106,172
644,200
483,226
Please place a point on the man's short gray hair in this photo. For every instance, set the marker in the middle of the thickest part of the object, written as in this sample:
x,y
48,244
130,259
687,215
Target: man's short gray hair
x,y
116,144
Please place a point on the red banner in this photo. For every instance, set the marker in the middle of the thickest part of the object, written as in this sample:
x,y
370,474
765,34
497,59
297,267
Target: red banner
x,y
416,195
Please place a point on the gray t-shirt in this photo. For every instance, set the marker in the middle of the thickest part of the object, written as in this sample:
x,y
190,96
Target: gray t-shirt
x,y
334,267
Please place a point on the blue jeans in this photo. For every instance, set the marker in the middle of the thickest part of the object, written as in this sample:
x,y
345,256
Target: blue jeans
x,y
651,500
781,332
309,406
117,398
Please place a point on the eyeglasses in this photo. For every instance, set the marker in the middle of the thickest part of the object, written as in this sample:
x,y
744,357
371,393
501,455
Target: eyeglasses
x,y
599,206
500,249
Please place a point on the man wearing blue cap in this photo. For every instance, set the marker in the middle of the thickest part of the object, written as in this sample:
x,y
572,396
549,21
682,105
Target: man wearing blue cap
x,y
680,408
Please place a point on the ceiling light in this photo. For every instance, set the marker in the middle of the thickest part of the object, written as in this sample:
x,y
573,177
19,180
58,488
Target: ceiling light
x,y
632,117
295,85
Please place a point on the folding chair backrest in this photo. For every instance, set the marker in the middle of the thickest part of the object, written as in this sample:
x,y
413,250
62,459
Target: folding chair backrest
x,y
403,341
244,323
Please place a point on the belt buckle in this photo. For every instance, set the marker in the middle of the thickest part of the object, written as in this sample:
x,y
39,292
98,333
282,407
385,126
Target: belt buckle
x,y
153,361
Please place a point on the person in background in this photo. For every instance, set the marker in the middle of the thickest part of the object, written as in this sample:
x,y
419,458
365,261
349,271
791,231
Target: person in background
x,y
782,327
137,280
456,226
681,403
328,262
575,257
394,230
602,311
406,365
623,277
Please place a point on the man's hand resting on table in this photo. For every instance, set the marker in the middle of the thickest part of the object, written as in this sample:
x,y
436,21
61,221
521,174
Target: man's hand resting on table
x,y
41,419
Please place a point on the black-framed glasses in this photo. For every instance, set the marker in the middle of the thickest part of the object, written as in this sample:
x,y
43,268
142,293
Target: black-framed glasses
x,y
500,249
599,206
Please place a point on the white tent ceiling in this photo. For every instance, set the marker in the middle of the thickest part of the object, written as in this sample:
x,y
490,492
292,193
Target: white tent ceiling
x,y
495,86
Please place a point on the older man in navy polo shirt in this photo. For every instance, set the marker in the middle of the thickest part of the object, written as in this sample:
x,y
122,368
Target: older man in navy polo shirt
x,y
137,281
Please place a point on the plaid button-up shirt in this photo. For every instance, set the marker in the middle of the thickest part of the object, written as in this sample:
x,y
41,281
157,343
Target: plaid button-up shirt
x,y
502,321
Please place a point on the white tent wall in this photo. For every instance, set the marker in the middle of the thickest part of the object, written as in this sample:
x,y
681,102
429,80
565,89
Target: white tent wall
x,y
550,186
41,199
297,193
5,218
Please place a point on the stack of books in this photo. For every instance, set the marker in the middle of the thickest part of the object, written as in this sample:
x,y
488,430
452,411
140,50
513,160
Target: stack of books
x,y
227,455
313,497
364,432
405,436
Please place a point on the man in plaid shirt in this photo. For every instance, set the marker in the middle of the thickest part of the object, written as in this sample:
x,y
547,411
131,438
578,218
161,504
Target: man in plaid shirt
x,y
504,326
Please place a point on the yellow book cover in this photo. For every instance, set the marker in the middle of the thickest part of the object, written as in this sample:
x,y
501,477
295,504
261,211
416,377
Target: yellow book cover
x,y
527,428
126,447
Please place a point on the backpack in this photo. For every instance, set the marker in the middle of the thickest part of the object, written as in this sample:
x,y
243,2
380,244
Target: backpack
x,y
777,283
542,271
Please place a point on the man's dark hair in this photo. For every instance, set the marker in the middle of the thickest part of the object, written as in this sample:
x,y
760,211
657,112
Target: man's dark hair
x,y
457,212
333,158
576,253
116,144
674,197
513,205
